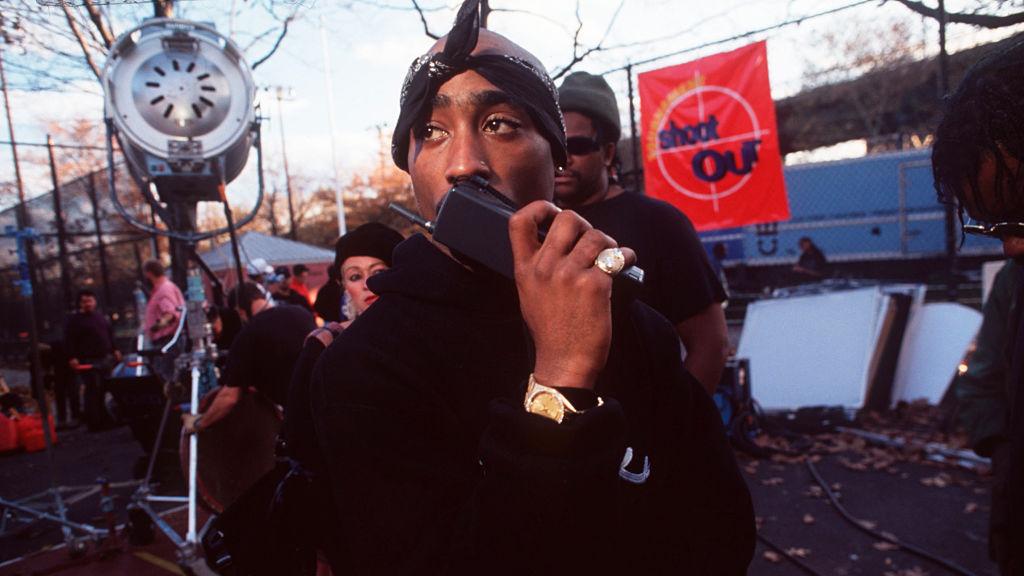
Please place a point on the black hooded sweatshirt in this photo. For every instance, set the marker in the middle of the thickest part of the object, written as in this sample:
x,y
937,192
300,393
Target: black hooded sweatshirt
x,y
434,467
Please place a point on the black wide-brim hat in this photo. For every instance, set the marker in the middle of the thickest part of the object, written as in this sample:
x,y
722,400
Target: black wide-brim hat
x,y
372,239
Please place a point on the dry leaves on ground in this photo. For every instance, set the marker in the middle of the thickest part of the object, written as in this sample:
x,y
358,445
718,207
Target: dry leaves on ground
x,y
808,519
799,552
884,546
772,556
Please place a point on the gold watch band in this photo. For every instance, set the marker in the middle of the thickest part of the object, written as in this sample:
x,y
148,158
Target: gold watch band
x,y
549,402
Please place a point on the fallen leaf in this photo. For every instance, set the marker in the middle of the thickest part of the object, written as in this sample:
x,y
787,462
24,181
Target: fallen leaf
x,y
773,481
868,524
808,519
885,546
971,508
798,552
772,556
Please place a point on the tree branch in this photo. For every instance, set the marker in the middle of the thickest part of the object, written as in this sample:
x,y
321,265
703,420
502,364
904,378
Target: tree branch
x,y
576,56
980,20
423,19
277,43
97,19
81,39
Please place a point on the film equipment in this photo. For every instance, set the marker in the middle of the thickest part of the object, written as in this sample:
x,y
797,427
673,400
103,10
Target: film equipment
x,y
179,101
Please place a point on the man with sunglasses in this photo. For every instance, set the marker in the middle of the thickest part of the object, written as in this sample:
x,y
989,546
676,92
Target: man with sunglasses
x,y
680,282
976,161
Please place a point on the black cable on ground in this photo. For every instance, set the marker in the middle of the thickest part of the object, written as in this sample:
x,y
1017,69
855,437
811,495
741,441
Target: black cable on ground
x,y
947,564
799,563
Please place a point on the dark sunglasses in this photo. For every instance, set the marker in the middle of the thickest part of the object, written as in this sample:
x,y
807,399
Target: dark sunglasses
x,y
581,145
997,230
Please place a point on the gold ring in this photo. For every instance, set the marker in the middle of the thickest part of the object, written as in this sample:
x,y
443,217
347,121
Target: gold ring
x,y
611,261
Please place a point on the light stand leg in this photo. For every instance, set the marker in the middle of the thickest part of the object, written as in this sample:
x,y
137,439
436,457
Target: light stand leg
x,y
193,457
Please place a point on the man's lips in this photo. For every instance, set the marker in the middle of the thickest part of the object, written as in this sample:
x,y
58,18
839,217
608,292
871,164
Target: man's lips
x,y
565,178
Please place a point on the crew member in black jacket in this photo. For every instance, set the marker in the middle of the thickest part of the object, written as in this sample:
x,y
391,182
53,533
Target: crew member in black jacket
x,y
471,424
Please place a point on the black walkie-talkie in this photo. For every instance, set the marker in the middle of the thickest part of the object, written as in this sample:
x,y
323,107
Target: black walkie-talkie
x,y
472,221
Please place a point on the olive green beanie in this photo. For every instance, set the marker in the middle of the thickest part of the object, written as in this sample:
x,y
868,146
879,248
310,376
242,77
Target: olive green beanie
x,y
590,95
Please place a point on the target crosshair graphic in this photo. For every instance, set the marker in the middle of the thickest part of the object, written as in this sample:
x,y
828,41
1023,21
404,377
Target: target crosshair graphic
x,y
713,194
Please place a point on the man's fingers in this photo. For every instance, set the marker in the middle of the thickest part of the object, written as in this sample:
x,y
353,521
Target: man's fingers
x,y
587,248
523,227
561,239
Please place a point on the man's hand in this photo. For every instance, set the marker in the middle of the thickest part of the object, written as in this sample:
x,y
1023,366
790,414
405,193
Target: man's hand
x,y
565,300
188,423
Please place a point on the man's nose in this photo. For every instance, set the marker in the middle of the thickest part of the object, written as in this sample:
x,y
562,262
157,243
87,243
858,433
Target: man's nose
x,y
467,158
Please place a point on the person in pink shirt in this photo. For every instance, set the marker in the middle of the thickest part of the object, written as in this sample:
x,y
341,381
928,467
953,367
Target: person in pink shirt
x,y
162,311
162,315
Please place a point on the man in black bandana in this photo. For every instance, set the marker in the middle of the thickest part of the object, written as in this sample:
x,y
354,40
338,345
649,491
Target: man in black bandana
x,y
978,164
469,423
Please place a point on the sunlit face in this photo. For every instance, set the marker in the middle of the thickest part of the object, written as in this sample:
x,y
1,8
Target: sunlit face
x,y
585,178
355,270
475,129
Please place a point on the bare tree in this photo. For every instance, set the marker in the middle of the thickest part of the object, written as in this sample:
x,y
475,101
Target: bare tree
x,y
55,53
579,51
985,15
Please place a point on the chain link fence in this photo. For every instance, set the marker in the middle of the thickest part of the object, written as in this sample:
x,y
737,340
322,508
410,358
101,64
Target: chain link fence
x,y
81,243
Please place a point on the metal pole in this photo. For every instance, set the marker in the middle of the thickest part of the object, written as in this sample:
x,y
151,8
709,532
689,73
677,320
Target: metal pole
x,y
339,203
22,211
239,278
635,144
950,220
100,245
58,213
26,263
284,159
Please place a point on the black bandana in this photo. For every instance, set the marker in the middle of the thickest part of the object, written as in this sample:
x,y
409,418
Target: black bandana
x,y
522,81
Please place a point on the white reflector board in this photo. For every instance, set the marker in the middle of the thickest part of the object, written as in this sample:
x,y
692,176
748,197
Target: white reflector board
x,y
812,350
935,342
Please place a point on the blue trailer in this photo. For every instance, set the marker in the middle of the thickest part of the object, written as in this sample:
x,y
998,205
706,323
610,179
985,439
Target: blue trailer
x,y
875,208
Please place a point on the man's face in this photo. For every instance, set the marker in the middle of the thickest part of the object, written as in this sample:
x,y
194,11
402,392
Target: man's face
x,y
87,304
585,179
474,129
974,202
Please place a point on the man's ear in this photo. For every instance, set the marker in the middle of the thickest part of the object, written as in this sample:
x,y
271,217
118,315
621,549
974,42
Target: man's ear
x,y
608,154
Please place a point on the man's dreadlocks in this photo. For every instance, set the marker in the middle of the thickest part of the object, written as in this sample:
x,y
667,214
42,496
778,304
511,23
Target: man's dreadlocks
x,y
985,122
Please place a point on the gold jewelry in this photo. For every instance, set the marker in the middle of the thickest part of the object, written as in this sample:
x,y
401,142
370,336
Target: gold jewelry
x,y
611,261
548,402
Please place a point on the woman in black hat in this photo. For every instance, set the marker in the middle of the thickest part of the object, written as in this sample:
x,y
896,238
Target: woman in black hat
x,y
364,252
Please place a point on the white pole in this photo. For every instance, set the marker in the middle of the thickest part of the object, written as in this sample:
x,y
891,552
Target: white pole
x,y
330,119
193,460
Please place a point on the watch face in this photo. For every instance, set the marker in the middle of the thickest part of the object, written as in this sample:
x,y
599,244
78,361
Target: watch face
x,y
547,405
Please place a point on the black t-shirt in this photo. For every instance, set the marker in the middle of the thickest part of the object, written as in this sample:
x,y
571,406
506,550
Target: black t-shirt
x,y
265,351
679,281
88,336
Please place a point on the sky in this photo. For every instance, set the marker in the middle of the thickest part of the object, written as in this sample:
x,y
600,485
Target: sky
x,y
371,43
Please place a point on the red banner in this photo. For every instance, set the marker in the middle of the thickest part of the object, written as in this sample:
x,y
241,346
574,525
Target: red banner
x,y
710,142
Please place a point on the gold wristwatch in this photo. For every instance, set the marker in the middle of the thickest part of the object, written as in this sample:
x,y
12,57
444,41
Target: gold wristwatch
x,y
550,403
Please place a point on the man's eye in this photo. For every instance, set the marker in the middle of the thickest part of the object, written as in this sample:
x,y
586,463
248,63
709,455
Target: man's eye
x,y
501,125
430,132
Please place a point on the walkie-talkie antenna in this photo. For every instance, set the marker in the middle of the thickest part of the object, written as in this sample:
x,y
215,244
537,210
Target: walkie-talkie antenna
x,y
412,217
